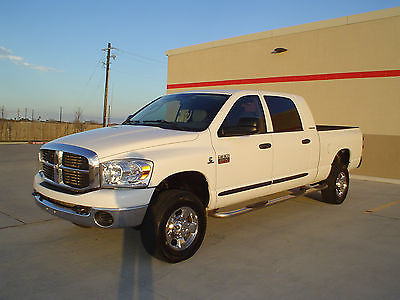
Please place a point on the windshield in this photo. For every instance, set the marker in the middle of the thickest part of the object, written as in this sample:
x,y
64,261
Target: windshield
x,y
188,112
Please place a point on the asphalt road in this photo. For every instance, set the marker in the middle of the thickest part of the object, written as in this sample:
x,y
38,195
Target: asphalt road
x,y
301,249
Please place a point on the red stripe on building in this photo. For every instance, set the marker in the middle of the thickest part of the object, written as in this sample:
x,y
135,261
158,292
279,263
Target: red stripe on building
x,y
294,78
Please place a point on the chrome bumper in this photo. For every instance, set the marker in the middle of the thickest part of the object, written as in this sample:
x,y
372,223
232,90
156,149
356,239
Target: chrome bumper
x,y
85,216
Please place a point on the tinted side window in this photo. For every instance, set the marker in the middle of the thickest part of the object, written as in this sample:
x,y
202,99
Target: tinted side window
x,y
245,114
284,114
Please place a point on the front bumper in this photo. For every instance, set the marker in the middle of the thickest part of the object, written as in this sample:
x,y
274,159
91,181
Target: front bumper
x,y
127,207
90,216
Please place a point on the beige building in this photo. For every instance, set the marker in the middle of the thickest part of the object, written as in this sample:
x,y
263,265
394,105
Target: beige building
x,y
348,70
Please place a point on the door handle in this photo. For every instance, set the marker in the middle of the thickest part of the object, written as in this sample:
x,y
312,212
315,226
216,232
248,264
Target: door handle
x,y
265,146
306,141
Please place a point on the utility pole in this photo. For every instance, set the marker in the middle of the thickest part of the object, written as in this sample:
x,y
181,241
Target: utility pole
x,y
3,112
108,49
60,114
109,114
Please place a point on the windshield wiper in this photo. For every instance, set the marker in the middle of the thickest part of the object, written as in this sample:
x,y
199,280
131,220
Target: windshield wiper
x,y
130,122
162,122
159,123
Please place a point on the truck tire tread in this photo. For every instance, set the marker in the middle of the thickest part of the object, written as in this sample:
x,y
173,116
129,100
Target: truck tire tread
x,y
338,184
153,229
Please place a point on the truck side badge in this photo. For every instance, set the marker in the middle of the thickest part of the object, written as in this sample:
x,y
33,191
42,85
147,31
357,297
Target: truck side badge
x,y
224,158
210,160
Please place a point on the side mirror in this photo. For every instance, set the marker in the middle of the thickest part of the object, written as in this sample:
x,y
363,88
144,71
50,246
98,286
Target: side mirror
x,y
245,126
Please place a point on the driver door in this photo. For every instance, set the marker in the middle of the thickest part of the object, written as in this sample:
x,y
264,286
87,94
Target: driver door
x,y
243,152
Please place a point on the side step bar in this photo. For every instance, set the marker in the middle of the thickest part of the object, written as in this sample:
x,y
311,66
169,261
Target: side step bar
x,y
297,192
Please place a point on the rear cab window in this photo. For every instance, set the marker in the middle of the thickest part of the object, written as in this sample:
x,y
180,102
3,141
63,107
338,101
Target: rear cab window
x,y
284,114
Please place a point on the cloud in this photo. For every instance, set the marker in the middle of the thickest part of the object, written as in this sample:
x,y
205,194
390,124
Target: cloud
x,y
7,54
4,51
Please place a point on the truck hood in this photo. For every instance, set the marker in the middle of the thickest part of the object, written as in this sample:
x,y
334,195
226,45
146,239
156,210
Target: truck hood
x,y
125,138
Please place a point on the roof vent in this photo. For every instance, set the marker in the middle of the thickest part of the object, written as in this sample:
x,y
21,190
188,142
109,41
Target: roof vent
x,y
279,50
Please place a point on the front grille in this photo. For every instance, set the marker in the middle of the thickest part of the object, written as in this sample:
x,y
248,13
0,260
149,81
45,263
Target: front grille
x,y
69,170
75,161
49,156
75,178
48,171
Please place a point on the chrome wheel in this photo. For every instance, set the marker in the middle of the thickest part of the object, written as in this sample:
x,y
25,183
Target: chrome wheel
x,y
341,184
182,228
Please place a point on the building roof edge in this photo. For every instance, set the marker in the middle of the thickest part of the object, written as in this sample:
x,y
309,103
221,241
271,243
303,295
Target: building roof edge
x,y
352,19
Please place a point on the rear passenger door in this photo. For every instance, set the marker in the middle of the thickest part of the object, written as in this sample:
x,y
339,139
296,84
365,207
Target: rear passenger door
x,y
294,148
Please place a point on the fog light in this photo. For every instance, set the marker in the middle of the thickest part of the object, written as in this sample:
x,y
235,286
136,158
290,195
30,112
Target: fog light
x,y
103,219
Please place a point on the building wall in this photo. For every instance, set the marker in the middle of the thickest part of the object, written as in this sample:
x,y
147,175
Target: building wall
x,y
358,57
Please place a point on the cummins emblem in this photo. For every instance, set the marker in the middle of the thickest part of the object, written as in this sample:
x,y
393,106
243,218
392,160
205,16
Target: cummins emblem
x,y
224,158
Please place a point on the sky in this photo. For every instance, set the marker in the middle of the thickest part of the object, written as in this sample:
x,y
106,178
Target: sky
x,y
51,57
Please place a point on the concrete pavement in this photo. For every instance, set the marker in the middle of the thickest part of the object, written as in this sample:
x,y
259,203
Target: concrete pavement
x,y
301,249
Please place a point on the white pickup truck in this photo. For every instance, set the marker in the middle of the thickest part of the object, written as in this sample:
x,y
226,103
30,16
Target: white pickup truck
x,y
188,155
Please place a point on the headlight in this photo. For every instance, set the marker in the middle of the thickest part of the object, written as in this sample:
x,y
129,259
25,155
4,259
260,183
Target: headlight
x,y
126,173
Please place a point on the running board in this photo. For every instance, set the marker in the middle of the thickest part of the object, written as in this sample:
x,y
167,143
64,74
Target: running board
x,y
294,193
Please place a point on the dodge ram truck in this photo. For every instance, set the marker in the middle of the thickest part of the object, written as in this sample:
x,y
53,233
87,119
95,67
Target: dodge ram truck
x,y
188,155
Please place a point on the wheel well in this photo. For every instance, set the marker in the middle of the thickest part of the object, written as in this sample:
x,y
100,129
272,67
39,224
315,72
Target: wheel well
x,y
343,157
191,181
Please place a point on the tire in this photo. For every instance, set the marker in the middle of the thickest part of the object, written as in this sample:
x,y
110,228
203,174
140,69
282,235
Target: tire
x,y
174,226
338,184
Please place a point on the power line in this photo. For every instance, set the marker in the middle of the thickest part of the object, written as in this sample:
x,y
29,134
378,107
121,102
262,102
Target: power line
x,y
96,68
149,59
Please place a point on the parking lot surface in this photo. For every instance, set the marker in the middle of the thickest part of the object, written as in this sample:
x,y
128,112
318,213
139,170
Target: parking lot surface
x,y
301,249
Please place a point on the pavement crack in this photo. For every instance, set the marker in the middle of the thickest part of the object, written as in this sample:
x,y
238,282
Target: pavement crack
x,y
381,216
26,223
12,217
